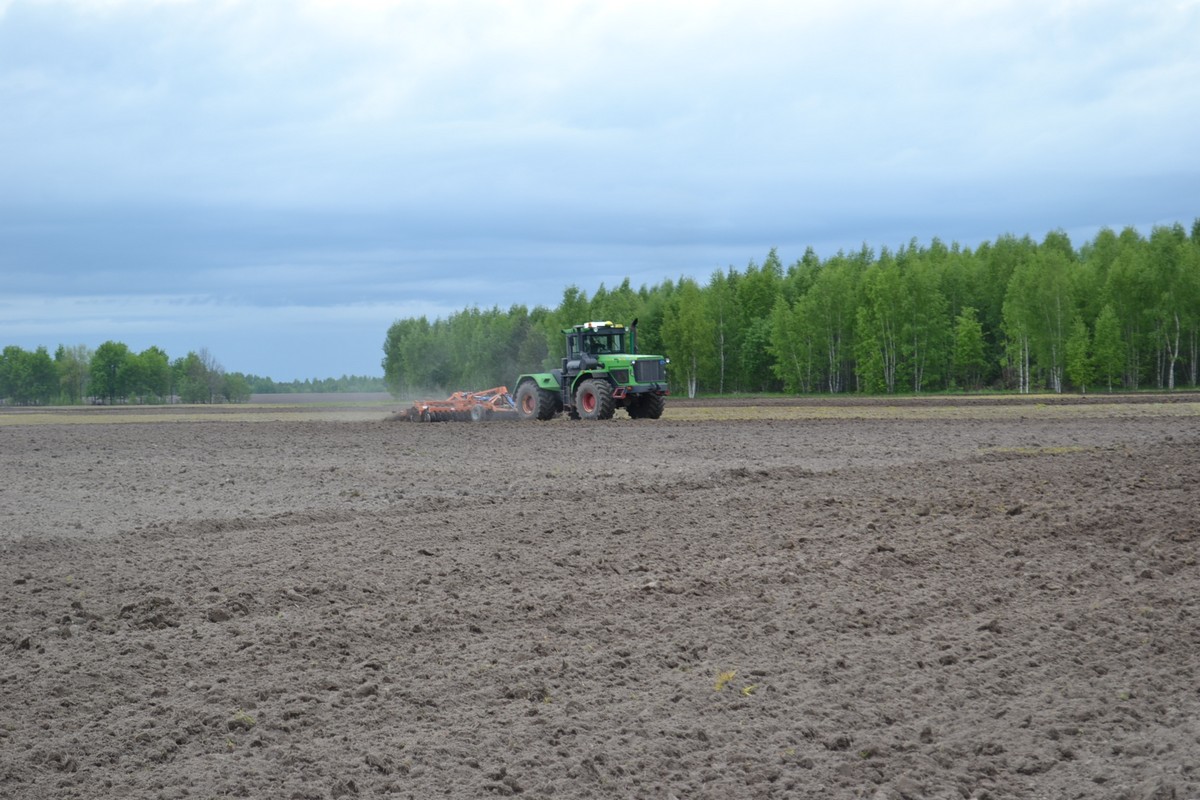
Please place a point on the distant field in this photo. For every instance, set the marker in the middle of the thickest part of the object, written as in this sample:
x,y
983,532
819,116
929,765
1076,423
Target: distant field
x,y
321,397
331,407
374,406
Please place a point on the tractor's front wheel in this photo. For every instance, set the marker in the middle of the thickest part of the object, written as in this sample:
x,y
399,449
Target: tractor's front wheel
x,y
633,406
645,406
594,400
534,402
653,405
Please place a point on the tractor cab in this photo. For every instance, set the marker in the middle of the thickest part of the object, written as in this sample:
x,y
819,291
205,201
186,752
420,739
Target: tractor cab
x,y
591,339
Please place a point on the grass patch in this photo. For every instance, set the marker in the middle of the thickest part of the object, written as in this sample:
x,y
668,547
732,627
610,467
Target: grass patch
x,y
940,411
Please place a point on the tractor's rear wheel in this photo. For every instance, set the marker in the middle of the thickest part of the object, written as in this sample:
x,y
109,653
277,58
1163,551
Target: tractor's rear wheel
x,y
534,402
594,400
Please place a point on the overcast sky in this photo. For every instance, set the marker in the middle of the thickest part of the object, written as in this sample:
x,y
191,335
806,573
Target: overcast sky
x,y
280,181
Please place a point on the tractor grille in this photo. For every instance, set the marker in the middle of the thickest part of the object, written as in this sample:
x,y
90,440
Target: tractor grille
x,y
647,371
620,375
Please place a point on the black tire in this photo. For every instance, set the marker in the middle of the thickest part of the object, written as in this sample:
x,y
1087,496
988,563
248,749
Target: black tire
x,y
653,405
645,406
534,402
635,406
594,400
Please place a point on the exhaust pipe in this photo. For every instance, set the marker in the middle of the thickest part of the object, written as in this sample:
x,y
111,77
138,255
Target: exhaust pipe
x,y
633,337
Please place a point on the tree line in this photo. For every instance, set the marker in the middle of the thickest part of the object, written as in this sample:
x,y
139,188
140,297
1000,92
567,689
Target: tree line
x,y
112,373
1122,311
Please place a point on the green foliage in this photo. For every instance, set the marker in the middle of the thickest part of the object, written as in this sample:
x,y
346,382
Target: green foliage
x,y
619,305
109,374
754,299
154,375
1038,308
924,318
685,332
27,377
793,347
720,310
474,348
188,375
114,374
1128,289
145,376
1108,351
969,359
198,377
830,308
878,325
870,349
74,370
235,388
1080,367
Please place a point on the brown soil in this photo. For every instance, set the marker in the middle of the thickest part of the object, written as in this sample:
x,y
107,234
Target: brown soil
x,y
878,608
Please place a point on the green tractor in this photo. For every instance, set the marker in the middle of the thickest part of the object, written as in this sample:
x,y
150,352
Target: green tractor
x,y
598,376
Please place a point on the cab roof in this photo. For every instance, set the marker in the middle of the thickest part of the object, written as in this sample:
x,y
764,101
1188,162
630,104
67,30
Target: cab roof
x,y
606,326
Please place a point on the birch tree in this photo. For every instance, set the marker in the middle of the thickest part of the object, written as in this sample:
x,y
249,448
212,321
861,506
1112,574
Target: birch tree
x,y
968,349
1108,351
687,333
792,347
879,322
1079,364
720,308
829,306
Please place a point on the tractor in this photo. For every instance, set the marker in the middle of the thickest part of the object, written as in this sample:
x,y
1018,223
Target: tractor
x,y
598,376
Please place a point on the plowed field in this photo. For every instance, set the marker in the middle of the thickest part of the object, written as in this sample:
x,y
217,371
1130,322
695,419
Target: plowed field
x,y
910,600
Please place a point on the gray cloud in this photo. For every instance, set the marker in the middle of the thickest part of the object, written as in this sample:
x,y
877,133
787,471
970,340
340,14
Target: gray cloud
x,y
314,154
